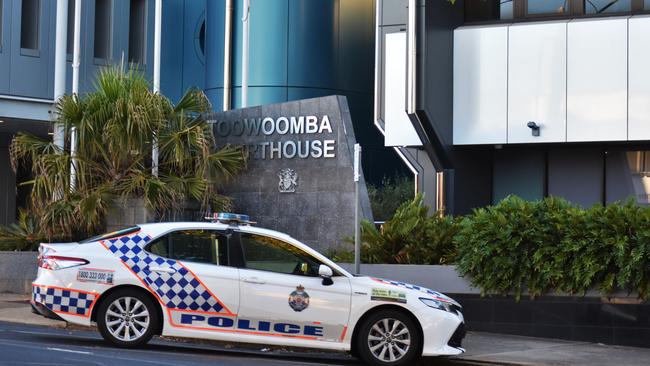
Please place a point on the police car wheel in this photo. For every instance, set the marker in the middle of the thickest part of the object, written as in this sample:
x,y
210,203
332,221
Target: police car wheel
x,y
389,337
127,318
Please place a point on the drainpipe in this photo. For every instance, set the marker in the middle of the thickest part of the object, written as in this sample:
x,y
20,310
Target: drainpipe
x,y
227,56
244,53
76,61
156,78
60,64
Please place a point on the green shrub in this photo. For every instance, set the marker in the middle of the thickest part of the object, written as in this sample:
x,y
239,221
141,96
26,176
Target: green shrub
x,y
551,245
24,235
389,196
411,236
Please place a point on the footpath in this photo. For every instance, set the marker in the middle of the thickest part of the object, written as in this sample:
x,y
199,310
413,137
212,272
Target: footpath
x,y
482,348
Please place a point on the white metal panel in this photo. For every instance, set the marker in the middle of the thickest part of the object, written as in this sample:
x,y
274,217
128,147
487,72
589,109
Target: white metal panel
x,y
399,129
480,85
597,80
639,78
537,82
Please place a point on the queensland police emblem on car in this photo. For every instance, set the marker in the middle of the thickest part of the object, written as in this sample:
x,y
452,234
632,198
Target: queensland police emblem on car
x,y
299,299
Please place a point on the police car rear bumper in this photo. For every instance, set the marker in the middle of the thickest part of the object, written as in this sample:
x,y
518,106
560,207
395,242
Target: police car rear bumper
x,y
42,310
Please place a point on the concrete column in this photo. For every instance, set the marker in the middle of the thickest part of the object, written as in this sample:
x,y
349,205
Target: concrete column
x,y
60,62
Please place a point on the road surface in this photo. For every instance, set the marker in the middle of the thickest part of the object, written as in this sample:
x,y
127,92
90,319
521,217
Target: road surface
x,y
36,345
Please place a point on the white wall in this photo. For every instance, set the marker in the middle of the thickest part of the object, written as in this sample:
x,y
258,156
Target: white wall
x,y
597,80
639,78
537,82
399,129
574,78
480,85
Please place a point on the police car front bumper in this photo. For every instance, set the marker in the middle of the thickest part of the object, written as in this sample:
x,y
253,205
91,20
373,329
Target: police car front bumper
x,y
442,331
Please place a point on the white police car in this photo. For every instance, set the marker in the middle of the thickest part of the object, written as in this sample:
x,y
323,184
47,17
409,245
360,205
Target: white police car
x,y
230,281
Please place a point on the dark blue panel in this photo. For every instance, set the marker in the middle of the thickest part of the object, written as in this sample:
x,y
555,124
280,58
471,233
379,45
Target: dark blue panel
x,y
306,93
216,98
260,96
193,59
29,68
356,59
312,43
171,55
5,46
518,171
577,174
268,43
214,39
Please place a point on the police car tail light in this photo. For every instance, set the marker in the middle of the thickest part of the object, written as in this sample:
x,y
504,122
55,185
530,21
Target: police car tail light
x,y
56,262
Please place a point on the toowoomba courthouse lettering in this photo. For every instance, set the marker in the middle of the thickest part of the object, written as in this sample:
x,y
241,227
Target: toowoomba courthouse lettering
x,y
306,136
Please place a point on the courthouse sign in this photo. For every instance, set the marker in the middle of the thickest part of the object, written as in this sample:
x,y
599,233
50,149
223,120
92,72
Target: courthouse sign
x,y
270,128
299,178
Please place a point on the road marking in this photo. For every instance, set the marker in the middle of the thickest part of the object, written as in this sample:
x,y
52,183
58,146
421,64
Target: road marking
x,y
37,333
69,350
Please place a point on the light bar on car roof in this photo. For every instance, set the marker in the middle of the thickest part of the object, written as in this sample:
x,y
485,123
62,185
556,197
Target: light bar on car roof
x,y
229,218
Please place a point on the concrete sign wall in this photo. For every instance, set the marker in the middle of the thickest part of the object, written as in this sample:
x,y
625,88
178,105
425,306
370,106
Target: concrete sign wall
x,y
300,170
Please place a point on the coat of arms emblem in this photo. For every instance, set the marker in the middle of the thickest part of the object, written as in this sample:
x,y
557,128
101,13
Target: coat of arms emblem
x,y
299,299
288,180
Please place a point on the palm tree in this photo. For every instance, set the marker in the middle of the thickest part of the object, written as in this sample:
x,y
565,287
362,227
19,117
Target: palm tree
x,y
116,126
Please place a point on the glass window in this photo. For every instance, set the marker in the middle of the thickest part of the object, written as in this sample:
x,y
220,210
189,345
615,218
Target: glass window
x,y
103,29
486,10
506,9
547,7
159,247
70,38
137,31
646,4
1,3
29,24
607,6
268,254
205,246
638,163
202,37
112,235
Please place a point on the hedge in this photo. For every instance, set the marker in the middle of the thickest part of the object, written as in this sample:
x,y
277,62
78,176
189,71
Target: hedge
x,y
551,245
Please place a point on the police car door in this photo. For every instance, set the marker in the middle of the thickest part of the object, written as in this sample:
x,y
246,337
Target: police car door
x,y
282,294
196,281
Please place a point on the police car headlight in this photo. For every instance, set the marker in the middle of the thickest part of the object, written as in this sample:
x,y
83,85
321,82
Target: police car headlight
x,y
437,304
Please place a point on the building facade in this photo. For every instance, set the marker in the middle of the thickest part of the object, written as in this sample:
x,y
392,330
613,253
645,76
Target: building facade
x,y
298,49
525,97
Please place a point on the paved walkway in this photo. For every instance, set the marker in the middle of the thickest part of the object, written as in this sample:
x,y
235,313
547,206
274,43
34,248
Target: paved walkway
x,y
482,348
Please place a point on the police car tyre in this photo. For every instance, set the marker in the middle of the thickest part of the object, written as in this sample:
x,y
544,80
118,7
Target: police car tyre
x,y
127,318
389,337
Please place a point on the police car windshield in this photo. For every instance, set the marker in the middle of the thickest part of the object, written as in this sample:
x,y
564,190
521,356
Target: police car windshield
x,y
111,235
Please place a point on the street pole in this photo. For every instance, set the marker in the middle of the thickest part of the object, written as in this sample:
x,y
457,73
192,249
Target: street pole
x,y
244,53
357,226
156,77
76,61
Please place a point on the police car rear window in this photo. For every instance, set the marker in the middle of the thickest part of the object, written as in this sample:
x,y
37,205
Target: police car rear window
x,y
111,235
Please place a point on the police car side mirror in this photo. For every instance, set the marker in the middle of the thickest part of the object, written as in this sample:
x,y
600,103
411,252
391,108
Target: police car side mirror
x,y
326,273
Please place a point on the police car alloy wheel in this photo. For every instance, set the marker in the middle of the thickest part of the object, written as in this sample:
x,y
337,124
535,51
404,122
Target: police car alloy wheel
x,y
389,337
127,318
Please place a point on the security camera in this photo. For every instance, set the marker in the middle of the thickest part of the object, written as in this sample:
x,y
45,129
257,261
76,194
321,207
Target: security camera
x,y
534,127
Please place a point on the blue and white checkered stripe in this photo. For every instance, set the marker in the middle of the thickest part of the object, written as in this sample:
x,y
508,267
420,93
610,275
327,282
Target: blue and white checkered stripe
x,y
409,286
178,290
63,300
